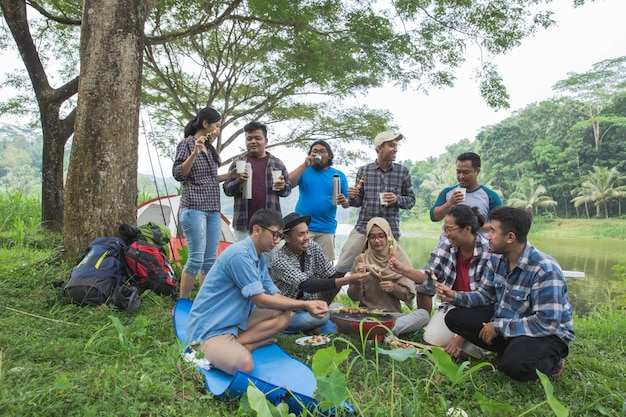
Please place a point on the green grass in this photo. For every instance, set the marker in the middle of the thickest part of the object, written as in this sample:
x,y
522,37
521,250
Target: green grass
x,y
580,228
64,360
595,228
89,360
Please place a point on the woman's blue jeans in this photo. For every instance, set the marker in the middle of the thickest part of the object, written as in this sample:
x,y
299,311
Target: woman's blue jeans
x,y
203,230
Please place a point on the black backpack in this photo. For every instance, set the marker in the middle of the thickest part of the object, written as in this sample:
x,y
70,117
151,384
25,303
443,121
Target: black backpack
x,y
99,271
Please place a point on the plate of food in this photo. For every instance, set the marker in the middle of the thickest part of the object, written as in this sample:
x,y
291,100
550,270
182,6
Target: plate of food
x,y
316,340
358,310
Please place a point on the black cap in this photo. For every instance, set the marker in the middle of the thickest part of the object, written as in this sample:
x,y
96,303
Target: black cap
x,y
293,219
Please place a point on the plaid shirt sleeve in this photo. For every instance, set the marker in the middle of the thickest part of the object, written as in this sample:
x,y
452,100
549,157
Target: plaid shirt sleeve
x,y
322,267
533,299
200,185
406,199
232,188
443,262
272,198
358,199
277,164
287,275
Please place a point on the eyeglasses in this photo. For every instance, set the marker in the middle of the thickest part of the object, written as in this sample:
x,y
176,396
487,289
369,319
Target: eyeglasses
x,y
449,229
380,236
275,235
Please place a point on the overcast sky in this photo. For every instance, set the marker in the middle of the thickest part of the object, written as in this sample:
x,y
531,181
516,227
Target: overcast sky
x,y
582,37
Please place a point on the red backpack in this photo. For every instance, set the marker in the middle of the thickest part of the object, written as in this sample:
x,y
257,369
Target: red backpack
x,y
150,269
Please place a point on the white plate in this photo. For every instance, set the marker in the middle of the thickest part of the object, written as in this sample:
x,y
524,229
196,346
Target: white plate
x,y
306,340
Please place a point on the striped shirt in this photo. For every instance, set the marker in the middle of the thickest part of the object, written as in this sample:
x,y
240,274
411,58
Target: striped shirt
x,y
397,180
531,300
201,188
483,197
232,188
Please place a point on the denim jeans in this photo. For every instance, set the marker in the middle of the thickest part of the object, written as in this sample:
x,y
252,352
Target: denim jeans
x,y
303,321
203,230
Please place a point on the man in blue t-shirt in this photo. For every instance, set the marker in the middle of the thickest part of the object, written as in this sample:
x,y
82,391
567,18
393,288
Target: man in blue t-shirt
x,y
315,179
468,192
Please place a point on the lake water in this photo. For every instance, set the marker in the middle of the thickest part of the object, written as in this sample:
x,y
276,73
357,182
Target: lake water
x,y
593,257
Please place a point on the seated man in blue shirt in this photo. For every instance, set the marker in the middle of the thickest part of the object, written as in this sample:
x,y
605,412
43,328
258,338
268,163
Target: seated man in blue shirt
x,y
520,309
238,307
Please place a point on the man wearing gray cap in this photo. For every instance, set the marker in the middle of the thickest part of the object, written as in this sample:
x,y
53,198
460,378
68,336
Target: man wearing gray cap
x,y
382,188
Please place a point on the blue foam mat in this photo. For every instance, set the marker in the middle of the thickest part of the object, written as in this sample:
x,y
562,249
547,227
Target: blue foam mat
x,y
279,376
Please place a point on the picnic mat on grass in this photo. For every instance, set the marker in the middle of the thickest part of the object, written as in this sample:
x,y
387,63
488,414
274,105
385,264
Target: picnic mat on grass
x,y
279,376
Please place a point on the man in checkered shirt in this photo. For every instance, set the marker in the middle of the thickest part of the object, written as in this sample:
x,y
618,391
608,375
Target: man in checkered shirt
x,y
301,270
382,188
520,309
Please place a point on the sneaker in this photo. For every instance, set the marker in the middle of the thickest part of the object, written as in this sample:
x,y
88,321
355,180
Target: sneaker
x,y
190,356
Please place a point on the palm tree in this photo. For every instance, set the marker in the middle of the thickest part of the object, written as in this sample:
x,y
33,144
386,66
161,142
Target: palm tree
x,y
438,179
530,196
598,187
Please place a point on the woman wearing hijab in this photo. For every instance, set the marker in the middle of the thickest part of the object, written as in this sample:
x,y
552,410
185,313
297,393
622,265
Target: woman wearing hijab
x,y
384,289
195,166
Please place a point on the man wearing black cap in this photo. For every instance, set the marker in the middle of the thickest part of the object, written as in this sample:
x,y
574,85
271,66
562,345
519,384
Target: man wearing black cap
x,y
301,270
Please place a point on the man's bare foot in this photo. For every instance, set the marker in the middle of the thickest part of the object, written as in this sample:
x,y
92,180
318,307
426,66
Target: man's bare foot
x,y
314,331
256,345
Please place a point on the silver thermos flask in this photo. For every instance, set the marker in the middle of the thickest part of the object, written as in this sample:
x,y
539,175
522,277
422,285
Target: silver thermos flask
x,y
336,188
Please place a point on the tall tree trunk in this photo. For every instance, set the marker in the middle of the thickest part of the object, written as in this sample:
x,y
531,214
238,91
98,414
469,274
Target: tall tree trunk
x,y
101,188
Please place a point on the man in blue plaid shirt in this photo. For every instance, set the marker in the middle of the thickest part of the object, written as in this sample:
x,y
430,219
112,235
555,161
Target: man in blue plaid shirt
x,y
520,309
382,188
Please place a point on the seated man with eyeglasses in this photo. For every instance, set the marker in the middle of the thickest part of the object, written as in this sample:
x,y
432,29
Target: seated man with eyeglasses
x,y
238,308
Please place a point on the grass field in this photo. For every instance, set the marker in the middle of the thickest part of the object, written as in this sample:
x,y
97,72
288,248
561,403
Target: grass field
x,y
64,360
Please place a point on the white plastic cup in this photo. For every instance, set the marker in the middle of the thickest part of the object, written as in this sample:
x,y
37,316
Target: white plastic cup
x,y
276,174
241,166
382,199
463,191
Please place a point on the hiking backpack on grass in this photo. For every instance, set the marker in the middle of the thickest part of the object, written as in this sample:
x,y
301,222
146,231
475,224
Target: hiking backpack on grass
x,y
149,267
155,233
98,272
